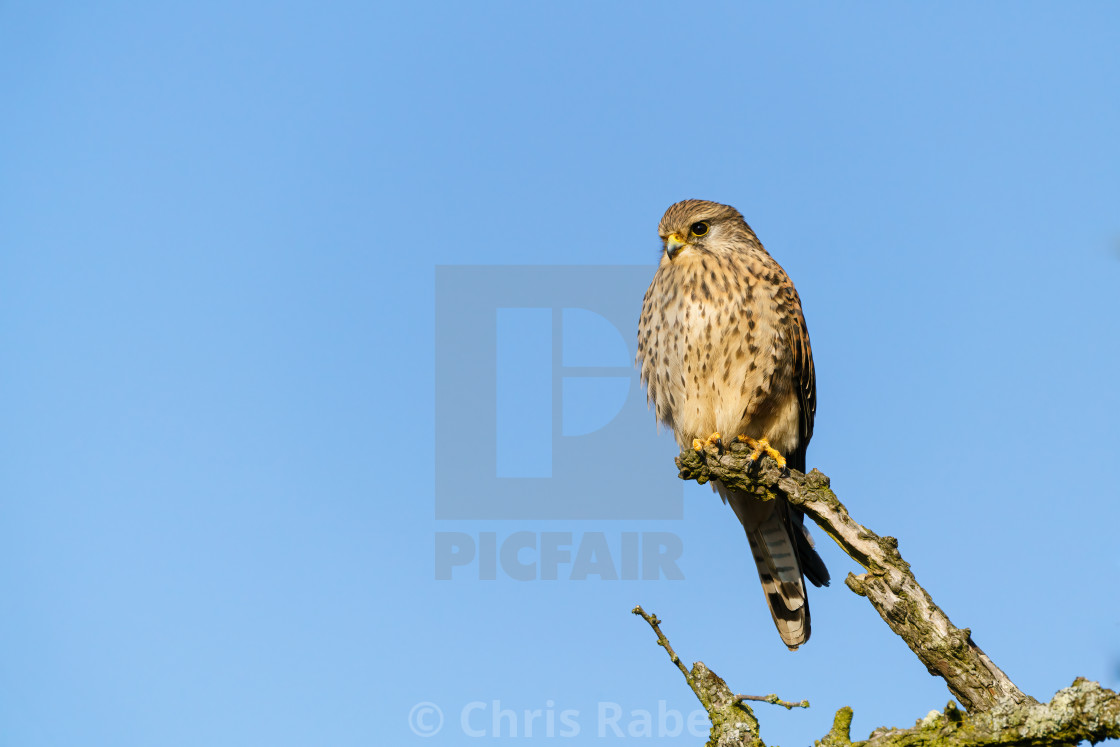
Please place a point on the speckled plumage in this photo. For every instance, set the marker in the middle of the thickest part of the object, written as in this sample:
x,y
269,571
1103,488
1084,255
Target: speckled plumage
x,y
723,347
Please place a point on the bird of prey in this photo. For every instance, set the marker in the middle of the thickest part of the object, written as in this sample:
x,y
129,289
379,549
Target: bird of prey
x,y
724,354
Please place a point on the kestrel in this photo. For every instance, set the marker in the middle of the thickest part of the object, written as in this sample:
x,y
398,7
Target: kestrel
x,y
723,349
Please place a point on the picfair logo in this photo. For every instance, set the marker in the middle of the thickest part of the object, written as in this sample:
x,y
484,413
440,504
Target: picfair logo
x,y
539,410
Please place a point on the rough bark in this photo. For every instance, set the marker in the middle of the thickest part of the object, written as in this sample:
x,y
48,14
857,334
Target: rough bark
x,y
997,712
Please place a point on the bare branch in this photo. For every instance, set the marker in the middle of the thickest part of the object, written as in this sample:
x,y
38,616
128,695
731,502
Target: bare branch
x,y
1085,711
775,700
733,722
999,714
889,584
663,642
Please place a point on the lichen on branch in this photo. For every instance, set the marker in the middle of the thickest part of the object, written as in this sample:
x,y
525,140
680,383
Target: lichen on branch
x,y
888,583
998,713
1085,711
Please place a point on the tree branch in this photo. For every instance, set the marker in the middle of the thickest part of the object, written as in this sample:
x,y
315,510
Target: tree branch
x,y
889,584
998,712
773,699
1082,712
733,721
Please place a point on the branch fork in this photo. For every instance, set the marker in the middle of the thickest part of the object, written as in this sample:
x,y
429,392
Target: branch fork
x,y
998,712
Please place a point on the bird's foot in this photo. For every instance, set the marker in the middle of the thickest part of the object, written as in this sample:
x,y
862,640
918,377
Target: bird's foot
x,y
699,444
762,446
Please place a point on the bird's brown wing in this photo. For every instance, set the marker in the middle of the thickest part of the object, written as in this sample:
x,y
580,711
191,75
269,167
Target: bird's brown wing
x,y
806,384
805,378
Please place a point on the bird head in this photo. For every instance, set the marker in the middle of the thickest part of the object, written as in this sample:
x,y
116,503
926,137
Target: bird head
x,y
702,227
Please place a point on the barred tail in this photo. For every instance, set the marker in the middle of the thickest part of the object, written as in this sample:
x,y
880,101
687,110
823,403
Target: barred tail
x,y
780,546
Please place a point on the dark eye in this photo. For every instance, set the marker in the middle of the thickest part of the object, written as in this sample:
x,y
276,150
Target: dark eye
x,y
699,229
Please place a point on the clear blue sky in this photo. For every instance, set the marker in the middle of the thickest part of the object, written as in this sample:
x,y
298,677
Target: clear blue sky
x,y
219,231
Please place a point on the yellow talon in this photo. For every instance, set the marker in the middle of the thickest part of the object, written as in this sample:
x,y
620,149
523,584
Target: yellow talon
x,y
712,440
762,446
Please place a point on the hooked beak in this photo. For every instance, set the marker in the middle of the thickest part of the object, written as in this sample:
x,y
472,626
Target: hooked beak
x,y
673,245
